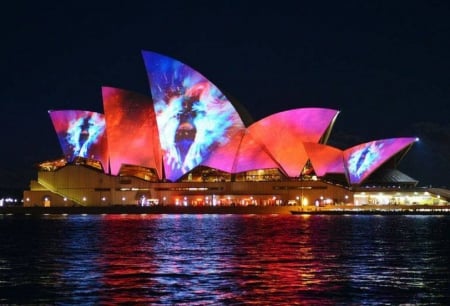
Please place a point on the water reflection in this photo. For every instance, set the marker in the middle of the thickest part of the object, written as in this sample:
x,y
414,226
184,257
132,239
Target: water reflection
x,y
224,259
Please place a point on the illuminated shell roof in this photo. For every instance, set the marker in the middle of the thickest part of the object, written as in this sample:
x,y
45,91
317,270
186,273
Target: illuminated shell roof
x,y
363,159
325,159
194,117
132,131
81,134
283,134
188,122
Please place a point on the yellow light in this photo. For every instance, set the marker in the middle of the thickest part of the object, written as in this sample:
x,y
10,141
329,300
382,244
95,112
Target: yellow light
x,y
305,201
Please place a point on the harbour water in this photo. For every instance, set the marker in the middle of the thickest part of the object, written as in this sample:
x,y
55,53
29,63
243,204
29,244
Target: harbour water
x,y
224,259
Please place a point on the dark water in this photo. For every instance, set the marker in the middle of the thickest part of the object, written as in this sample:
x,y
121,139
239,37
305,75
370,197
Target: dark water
x,y
224,259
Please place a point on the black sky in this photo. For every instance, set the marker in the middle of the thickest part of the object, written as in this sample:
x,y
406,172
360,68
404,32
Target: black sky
x,y
384,65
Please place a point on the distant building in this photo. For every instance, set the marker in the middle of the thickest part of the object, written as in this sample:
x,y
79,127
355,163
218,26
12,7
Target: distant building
x,y
188,144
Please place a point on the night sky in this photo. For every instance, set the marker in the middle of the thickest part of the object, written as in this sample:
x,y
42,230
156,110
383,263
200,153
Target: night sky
x,y
385,66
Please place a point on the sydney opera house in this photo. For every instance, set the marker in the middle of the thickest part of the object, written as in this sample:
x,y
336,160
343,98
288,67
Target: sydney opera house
x,y
188,144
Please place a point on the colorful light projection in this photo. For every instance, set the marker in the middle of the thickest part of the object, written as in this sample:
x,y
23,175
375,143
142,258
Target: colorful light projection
x,y
252,155
192,114
242,153
325,159
362,160
131,129
223,157
283,134
81,134
192,123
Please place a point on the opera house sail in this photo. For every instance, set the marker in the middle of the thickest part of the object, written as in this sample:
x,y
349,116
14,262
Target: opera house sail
x,y
186,143
194,117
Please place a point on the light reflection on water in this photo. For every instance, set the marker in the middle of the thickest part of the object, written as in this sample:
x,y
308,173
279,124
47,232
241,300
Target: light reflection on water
x,y
224,259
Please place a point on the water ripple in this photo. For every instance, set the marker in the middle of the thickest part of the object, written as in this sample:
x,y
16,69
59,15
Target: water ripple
x,y
225,259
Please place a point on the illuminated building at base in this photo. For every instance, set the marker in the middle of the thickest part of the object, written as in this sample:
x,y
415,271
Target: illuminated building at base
x,y
188,144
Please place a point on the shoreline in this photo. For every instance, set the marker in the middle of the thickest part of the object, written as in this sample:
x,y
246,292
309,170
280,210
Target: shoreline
x,y
238,210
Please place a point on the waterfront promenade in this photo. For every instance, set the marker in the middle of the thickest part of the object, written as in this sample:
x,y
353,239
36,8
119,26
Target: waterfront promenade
x,y
172,209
